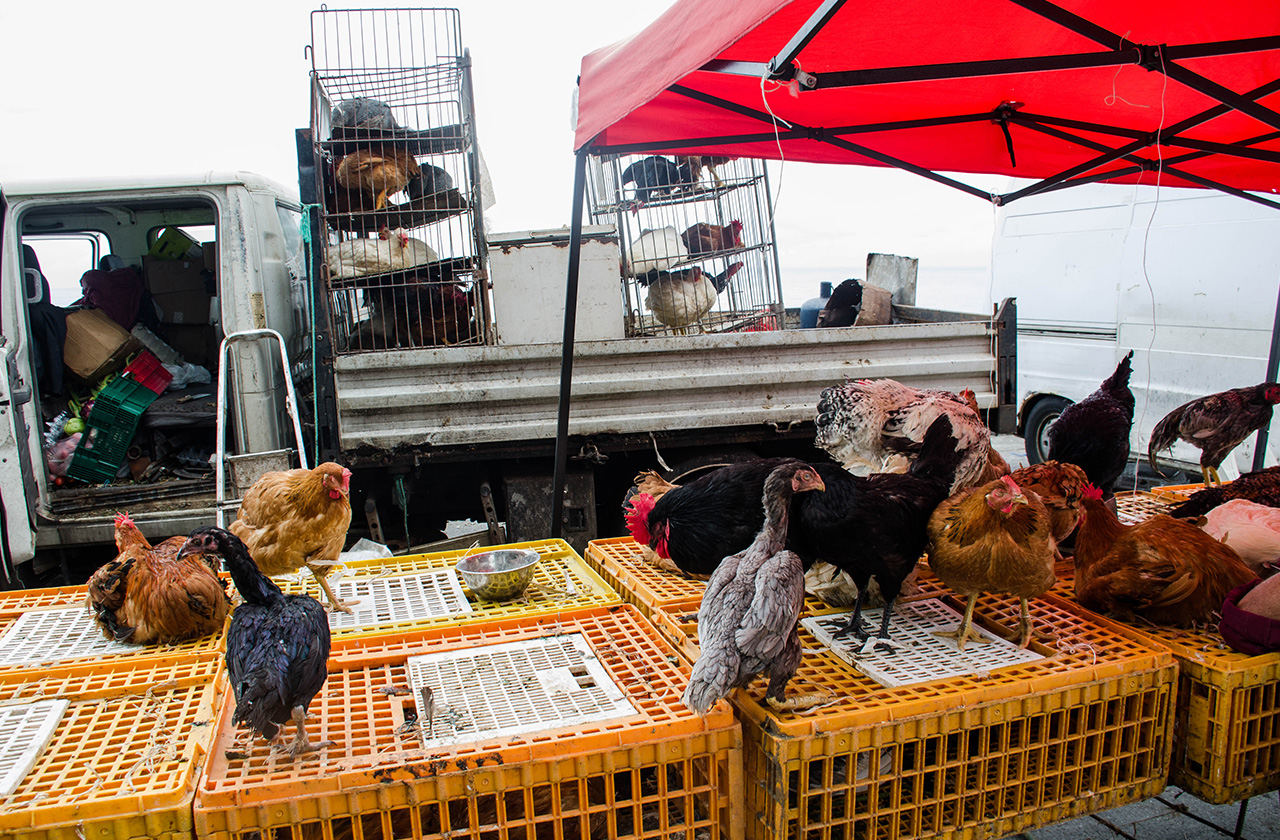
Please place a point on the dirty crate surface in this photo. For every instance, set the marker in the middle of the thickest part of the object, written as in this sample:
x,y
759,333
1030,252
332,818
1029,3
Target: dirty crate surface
x,y
562,580
981,756
662,772
123,759
1226,743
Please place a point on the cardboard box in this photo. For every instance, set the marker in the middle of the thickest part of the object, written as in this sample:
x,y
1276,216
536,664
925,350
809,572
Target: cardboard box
x,y
178,288
96,345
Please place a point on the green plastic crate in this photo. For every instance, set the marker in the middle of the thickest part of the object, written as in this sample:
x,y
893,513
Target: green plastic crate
x,y
112,424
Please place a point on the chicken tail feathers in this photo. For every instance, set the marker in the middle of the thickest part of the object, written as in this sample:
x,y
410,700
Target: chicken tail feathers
x,y
1163,436
258,695
637,517
707,684
939,455
722,279
1120,379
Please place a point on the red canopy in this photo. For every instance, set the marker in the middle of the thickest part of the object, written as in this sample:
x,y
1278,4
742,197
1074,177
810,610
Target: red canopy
x,y
1069,92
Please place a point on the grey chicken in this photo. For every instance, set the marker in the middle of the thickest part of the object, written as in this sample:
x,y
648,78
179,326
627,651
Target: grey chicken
x,y
747,624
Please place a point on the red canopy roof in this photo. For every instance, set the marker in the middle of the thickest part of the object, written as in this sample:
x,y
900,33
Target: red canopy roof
x,y
1068,92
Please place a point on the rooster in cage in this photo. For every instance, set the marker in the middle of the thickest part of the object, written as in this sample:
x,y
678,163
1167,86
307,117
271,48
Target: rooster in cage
x,y
680,299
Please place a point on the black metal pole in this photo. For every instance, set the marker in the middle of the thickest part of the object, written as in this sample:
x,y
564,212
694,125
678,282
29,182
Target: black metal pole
x,y
1273,364
560,477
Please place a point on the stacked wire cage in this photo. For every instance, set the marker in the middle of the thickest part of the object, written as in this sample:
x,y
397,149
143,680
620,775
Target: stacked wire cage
x,y
393,125
697,241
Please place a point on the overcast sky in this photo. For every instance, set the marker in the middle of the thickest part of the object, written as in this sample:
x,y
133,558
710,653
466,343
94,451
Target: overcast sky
x,y
150,88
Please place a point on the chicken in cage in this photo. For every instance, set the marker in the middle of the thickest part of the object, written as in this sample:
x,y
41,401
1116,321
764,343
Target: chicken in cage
x,y
394,130
697,242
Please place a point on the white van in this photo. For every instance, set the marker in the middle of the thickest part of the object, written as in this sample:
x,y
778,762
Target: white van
x,y
1093,267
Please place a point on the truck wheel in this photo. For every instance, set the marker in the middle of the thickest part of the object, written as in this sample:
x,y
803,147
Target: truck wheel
x,y
1035,434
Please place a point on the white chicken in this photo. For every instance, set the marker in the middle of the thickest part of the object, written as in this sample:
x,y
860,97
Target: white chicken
x,y
1251,529
656,250
680,299
393,250
876,425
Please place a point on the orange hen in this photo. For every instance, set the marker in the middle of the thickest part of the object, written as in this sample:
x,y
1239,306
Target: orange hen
x,y
148,596
1164,570
1061,487
703,238
376,173
992,538
295,518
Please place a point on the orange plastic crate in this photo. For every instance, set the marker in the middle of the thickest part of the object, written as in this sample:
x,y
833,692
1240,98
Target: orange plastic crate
x,y
982,756
21,600
562,580
662,773
620,561
1177,493
124,758
1226,744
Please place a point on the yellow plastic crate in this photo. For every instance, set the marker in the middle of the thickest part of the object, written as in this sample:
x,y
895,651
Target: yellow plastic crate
x,y
982,756
620,561
20,600
562,581
124,759
1177,493
1226,744
663,772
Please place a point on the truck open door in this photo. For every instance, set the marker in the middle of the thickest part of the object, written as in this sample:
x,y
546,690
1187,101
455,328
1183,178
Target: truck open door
x,y
18,491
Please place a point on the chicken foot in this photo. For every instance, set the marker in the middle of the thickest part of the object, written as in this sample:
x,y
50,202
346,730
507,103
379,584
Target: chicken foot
x,y
301,744
800,702
965,632
320,576
1210,476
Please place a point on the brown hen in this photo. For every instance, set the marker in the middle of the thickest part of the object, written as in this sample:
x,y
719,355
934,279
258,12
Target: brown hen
x,y
1164,570
992,538
295,518
703,238
147,595
1061,488
376,173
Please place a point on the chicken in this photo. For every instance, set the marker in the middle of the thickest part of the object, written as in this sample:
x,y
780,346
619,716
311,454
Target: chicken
x,y
992,538
1250,529
655,250
996,464
843,306
428,311
1061,490
392,250
1164,570
153,595
277,644
295,518
377,172
1251,617
697,163
748,621
875,526
877,425
1093,434
655,175
363,113
703,238
697,525
1215,425
679,300
1262,486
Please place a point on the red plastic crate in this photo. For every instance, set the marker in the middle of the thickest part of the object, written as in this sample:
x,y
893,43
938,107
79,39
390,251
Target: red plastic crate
x,y
147,370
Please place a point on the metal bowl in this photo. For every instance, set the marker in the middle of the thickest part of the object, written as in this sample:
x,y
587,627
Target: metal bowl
x,y
499,575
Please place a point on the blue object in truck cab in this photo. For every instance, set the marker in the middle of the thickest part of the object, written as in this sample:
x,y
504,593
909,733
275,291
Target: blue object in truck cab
x,y
810,308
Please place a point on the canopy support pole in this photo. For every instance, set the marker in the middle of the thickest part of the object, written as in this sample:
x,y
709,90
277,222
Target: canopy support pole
x,y
1273,366
560,476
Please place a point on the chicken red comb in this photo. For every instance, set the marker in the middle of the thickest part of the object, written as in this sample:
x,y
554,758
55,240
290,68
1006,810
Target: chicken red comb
x,y
1010,483
123,520
1091,492
637,517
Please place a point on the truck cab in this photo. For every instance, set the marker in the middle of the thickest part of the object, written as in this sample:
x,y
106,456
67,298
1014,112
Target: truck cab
x,y
234,261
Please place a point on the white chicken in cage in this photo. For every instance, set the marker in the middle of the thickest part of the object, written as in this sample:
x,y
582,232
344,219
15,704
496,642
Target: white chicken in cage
x,y
393,250
680,299
656,250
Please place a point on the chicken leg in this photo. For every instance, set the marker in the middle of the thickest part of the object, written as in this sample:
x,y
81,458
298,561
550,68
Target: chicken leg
x,y
320,573
965,631
301,744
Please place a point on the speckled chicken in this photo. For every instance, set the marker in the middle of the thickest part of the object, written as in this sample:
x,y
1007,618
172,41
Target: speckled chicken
x,y
1164,570
992,538
877,425
1215,424
1261,486
1061,489
277,644
153,595
747,624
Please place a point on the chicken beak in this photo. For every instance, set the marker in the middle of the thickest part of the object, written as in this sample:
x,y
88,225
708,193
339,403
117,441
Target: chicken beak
x,y
186,550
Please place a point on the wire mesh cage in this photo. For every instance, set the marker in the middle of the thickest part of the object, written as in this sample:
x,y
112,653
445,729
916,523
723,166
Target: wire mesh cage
x,y
697,242
393,123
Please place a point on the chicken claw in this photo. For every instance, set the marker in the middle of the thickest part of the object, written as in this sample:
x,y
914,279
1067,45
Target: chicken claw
x,y
334,602
301,744
965,632
801,702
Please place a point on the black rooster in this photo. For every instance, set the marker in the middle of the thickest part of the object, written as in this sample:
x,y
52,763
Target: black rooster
x,y
1093,434
843,306
1215,424
655,175
277,645
875,526
696,525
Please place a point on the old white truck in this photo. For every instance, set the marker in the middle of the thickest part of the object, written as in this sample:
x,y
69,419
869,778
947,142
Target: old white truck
x,y
432,434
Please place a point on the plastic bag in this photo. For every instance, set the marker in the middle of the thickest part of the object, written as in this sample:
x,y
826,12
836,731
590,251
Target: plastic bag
x,y
58,456
187,374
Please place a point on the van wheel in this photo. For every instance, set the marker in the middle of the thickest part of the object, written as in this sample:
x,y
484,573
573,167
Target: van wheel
x,y
1035,434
